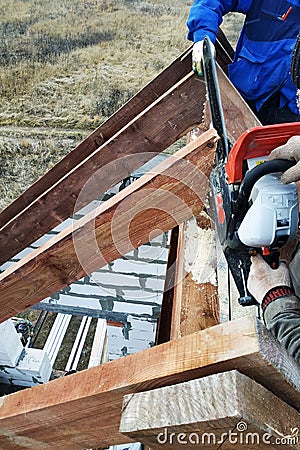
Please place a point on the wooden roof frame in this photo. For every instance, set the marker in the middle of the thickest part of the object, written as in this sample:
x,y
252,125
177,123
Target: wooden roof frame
x,y
84,410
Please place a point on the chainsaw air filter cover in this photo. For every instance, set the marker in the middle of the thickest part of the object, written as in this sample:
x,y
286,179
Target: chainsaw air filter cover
x,y
272,218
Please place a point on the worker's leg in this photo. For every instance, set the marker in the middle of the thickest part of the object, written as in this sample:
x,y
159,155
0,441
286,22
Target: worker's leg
x,y
284,115
270,113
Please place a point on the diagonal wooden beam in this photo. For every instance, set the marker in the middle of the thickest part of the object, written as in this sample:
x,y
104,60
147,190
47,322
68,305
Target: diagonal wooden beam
x,y
171,75
179,68
150,132
83,410
155,203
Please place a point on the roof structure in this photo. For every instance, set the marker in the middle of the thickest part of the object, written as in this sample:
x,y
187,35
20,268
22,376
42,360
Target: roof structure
x,y
102,406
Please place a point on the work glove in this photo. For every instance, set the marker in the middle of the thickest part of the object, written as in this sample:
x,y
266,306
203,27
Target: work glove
x,y
290,151
262,277
197,56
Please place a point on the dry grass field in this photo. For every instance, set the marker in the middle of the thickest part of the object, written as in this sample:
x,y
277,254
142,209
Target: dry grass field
x,y
66,66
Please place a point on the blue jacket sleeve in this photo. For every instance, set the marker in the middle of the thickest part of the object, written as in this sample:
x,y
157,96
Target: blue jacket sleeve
x,y
206,16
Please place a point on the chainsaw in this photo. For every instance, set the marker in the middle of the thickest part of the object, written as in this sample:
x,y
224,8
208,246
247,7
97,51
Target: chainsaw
x,y
254,211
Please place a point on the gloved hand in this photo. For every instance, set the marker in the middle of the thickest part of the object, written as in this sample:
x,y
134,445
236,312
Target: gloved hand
x,y
290,151
197,56
262,277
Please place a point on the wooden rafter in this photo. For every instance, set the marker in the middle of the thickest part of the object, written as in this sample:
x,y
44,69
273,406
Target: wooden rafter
x,y
149,133
171,75
155,203
151,92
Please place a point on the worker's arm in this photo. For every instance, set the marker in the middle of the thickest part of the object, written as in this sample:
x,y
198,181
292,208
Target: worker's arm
x,y
281,308
294,268
282,318
204,20
206,16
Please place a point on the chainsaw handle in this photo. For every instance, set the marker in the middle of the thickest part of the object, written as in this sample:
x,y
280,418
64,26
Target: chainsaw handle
x,y
251,177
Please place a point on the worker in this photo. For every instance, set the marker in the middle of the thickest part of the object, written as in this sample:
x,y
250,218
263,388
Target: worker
x,y
272,288
278,291
261,66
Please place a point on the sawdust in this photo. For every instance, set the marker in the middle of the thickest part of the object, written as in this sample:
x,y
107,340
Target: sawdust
x,y
200,254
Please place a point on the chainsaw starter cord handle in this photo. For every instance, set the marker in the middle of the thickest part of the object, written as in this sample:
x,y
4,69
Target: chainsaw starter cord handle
x,y
251,177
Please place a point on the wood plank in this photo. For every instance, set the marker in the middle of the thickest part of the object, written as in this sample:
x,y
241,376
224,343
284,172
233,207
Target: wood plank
x,y
238,115
163,331
222,411
83,410
109,316
224,50
178,286
158,201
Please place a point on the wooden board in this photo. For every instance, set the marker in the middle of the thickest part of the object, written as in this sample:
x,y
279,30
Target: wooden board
x,y
222,411
170,194
83,410
149,133
163,330
238,115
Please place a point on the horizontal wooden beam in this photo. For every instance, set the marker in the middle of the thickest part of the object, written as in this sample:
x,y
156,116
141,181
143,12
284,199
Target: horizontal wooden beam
x,y
170,194
83,410
225,411
109,316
